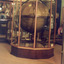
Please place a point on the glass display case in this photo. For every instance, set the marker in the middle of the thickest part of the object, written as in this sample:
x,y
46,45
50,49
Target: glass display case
x,y
33,28
5,19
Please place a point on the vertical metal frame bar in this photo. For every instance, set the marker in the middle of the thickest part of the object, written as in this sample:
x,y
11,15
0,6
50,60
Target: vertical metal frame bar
x,y
55,22
35,24
17,7
19,22
12,24
50,24
10,8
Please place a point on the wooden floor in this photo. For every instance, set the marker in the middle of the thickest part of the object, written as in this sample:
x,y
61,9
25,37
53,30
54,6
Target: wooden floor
x,y
7,58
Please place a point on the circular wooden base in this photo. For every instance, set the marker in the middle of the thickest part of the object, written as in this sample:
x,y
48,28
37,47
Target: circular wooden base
x,y
33,53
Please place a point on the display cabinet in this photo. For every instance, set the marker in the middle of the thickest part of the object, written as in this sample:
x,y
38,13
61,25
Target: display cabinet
x,y
5,18
33,28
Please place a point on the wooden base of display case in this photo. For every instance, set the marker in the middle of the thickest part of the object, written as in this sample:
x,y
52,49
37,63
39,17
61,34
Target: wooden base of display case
x,y
33,53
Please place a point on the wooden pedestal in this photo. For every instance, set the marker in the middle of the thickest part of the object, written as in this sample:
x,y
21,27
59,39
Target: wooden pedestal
x,y
33,53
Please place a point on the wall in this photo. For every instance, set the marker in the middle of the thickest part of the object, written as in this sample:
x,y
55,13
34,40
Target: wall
x,y
62,3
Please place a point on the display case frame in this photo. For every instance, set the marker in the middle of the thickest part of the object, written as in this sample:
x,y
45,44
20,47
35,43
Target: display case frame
x,y
34,53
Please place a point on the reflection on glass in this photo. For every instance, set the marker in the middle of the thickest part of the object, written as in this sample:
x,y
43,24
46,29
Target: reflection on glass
x,y
27,24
